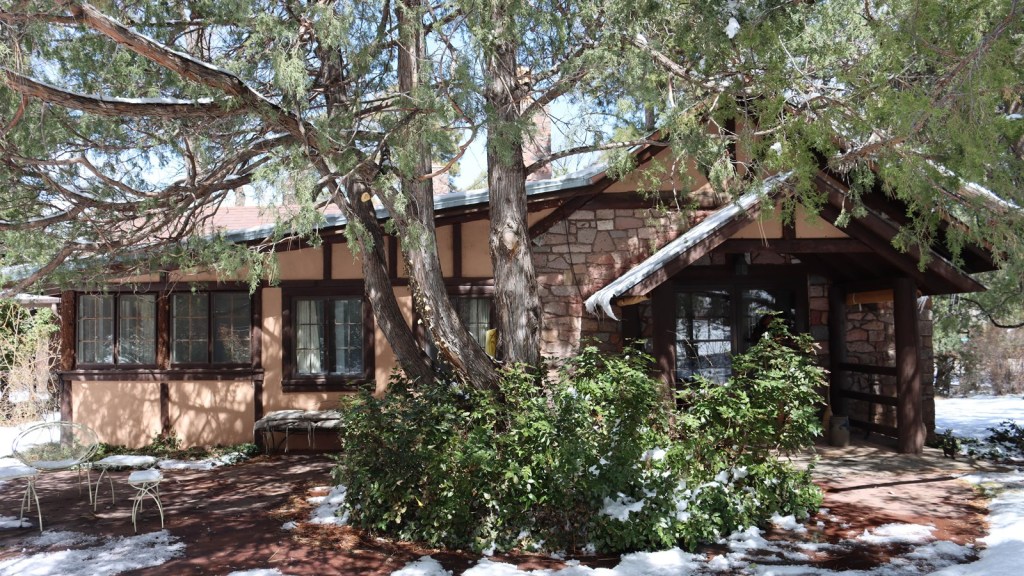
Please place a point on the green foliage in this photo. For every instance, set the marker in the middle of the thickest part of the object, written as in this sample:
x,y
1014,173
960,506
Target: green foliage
x,y
169,446
585,459
1004,443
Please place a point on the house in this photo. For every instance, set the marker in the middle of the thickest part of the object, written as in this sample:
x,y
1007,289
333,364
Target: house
x,y
198,356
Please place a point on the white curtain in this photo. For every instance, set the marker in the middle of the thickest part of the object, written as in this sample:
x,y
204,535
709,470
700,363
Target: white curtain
x,y
309,337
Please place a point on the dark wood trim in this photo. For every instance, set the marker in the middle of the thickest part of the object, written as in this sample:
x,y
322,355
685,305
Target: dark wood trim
x,y
392,242
883,429
321,385
795,246
165,408
456,250
878,233
837,347
256,328
867,369
323,287
873,398
257,398
150,375
68,313
67,413
562,212
909,416
756,276
163,330
663,328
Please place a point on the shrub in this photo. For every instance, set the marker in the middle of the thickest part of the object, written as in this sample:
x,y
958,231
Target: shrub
x,y
587,458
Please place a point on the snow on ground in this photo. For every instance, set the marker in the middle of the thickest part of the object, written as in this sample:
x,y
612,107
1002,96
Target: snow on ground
x,y
78,554
972,416
91,556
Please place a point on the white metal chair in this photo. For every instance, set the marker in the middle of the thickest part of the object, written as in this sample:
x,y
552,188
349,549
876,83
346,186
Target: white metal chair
x,y
147,485
52,447
104,465
29,474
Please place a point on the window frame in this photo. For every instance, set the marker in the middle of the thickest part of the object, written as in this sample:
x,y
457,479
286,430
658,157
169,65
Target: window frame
x,y
115,320
715,278
292,380
209,363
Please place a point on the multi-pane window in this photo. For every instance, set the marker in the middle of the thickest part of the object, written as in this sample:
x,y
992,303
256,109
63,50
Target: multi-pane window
x,y
329,336
704,335
210,328
95,329
116,329
475,313
712,325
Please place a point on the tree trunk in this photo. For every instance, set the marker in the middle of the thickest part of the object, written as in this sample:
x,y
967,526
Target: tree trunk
x,y
516,301
377,286
381,295
419,238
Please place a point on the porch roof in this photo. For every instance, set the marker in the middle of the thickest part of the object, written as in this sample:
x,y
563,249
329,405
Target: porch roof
x,y
696,242
867,256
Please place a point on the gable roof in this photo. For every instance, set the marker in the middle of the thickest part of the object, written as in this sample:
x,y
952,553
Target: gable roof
x,y
685,249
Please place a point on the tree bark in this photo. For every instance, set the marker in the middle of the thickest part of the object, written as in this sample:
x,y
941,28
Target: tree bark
x,y
516,301
419,239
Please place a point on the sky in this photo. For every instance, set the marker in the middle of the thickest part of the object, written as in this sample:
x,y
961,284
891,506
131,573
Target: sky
x,y
1004,545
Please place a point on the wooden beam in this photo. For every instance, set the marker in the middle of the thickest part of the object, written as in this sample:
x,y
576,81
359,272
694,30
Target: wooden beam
x,y
663,338
876,231
457,252
909,417
67,312
165,409
868,369
795,246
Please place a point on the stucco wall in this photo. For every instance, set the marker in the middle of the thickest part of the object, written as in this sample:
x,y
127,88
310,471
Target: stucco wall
x,y
125,413
208,413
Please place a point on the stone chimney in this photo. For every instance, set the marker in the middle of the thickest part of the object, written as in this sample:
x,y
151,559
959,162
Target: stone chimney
x,y
441,183
537,144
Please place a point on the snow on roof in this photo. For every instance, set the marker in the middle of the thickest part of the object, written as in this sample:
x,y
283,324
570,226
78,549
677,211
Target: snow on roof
x,y
602,299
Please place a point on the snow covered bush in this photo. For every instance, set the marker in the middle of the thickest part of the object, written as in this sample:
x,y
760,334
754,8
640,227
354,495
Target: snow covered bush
x,y
585,460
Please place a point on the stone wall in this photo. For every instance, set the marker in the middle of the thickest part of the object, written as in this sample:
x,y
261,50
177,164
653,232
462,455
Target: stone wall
x,y
583,253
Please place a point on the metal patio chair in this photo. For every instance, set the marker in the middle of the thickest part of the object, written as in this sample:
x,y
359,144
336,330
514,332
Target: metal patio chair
x,y
56,446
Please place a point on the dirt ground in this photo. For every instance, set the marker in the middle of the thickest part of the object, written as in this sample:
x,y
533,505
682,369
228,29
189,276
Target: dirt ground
x,y
231,518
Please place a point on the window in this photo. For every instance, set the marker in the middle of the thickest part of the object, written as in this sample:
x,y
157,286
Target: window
x,y
704,335
329,337
475,313
95,330
201,337
714,324
116,329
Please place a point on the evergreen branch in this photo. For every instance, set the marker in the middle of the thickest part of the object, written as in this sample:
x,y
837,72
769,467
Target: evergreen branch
x,y
990,315
541,162
106,106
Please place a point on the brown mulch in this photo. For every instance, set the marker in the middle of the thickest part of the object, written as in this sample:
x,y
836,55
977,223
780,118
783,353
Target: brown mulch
x,y
231,518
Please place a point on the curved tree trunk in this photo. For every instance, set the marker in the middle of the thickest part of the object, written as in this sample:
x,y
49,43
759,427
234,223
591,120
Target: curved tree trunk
x,y
419,239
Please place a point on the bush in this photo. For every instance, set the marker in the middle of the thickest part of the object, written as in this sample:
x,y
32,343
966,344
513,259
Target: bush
x,y
586,459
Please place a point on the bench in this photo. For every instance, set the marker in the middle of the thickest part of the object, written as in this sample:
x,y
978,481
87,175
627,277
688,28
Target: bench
x,y
295,421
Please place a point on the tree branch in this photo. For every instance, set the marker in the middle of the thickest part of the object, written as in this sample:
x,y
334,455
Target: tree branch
x,y
105,106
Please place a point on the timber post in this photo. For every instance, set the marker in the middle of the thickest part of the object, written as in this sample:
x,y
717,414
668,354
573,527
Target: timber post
x,y
909,416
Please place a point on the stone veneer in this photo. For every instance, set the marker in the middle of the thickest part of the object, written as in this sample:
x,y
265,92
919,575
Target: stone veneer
x,y
583,253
